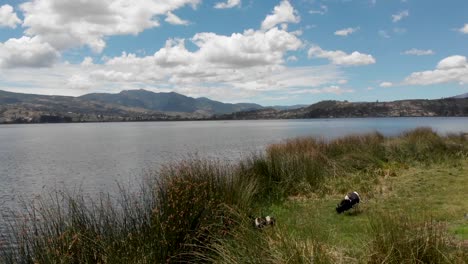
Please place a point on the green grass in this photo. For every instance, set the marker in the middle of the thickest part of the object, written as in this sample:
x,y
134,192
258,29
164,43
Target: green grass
x,y
413,185
430,193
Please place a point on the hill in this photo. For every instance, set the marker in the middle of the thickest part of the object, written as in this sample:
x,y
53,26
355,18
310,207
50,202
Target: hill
x,y
135,105
344,109
169,102
465,95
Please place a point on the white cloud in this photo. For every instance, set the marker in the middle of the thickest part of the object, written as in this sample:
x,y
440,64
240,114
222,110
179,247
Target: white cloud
x,y
400,16
292,58
175,20
330,89
419,52
228,4
8,17
251,48
27,52
339,57
70,23
249,61
386,84
283,13
322,11
464,29
79,82
449,70
346,31
452,62
87,61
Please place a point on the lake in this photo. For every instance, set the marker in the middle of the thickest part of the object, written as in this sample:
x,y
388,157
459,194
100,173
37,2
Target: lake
x,y
93,157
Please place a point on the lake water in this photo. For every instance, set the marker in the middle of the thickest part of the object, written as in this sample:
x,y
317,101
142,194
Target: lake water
x,y
93,157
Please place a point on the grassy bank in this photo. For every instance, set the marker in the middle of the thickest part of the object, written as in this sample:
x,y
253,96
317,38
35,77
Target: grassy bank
x,y
413,190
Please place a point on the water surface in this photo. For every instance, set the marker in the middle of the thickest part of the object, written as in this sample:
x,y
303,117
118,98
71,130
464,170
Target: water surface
x,y
93,157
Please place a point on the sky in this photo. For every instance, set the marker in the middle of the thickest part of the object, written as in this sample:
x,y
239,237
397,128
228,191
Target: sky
x,y
271,52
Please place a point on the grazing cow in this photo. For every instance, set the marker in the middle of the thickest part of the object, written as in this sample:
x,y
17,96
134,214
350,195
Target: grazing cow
x,y
349,201
261,222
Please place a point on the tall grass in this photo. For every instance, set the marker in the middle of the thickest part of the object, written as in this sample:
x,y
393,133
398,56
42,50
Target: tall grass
x,y
399,238
186,204
273,245
198,209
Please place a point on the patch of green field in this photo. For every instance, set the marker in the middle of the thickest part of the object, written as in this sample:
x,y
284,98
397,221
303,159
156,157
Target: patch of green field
x,y
461,230
436,192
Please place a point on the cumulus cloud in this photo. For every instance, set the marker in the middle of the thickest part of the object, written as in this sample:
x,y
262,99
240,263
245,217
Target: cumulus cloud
x,y
228,4
452,62
70,23
418,52
27,52
386,84
249,60
87,61
339,57
346,31
449,70
8,17
464,29
175,20
251,48
399,16
283,13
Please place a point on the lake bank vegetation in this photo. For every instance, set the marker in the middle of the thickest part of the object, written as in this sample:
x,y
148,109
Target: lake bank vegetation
x,y
199,211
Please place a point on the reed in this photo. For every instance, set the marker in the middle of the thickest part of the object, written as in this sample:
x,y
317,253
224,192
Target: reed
x,y
403,238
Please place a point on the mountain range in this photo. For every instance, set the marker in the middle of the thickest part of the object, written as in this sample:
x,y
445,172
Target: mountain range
x,y
143,105
132,105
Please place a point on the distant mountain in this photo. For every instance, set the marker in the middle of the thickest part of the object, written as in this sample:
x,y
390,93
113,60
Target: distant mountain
x,y
134,105
168,102
338,109
31,108
465,95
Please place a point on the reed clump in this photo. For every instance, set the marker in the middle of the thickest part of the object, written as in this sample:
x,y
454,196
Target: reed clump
x,y
402,238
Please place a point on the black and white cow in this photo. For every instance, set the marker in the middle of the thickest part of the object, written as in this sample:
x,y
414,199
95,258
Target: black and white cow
x,y
349,201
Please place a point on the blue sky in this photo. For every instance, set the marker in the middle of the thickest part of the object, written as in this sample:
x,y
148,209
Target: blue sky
x,y
267,52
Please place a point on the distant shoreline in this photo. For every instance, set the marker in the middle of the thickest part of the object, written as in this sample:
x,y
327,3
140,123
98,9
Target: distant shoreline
x,y
218,119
